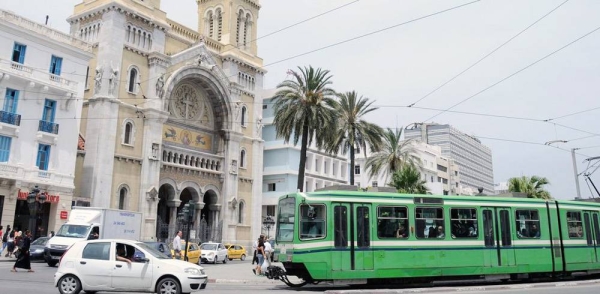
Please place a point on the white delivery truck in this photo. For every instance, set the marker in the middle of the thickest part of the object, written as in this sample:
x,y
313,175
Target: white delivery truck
x,y
90,223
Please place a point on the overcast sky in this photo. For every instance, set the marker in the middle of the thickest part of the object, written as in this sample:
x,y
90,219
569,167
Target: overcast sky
x,y
399,66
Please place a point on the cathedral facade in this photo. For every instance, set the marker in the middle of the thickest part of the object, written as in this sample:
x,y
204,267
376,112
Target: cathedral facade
x,y
172,115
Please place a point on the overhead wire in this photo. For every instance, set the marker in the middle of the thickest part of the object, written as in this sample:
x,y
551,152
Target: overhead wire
x,y
487,55
514,73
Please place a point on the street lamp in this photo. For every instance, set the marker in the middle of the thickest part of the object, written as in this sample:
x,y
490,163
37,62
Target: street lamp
x,y
32,199
268,223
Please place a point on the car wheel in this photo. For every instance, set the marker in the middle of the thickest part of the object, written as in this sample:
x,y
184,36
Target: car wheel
x,y
69,284
243,257
52,263
168,286
215,260
225,259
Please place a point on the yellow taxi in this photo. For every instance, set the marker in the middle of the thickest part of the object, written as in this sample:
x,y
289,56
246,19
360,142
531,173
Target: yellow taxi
x,y
193,254
235,251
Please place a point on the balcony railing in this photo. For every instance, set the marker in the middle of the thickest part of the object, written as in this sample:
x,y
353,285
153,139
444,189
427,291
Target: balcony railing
x,y
10,118
48,127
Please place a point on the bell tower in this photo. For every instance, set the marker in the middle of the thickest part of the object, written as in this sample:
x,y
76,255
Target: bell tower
x,y
230,22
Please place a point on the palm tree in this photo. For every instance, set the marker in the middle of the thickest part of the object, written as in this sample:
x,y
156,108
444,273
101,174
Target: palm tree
x,y
353,131
305,108
533,186
393,155
408,180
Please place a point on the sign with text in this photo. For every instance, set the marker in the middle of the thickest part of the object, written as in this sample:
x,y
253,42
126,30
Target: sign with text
x,y
64,214
22,195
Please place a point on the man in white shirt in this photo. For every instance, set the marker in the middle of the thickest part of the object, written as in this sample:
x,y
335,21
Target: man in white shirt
x,y
268,251
177,245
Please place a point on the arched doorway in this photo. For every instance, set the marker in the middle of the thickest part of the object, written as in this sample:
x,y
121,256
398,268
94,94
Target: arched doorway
x,y
210,198
166,193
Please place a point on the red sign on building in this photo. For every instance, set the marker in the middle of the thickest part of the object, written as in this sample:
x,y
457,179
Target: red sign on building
x,y
64,214
22,195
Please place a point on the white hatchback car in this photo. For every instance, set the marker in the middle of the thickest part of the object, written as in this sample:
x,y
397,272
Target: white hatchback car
x,y
213,252
100,265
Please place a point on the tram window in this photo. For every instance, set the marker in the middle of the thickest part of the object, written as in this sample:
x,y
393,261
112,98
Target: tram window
x,y
392,222
575,224
488,228
430,223
285,223
312,221
463,222
528,224
363,227
340,226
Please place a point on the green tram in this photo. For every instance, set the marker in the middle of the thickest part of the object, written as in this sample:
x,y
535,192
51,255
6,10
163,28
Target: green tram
x,y
347,237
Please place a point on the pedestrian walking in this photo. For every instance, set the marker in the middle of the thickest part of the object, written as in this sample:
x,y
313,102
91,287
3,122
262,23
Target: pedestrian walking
x,y
5,239
177,245
260,253
23,261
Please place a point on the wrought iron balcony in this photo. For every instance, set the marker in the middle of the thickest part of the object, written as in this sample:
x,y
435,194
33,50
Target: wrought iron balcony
x,y
10,118
48,127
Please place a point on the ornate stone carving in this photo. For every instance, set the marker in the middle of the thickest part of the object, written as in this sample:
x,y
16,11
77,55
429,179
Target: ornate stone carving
x,y
186,102
259,126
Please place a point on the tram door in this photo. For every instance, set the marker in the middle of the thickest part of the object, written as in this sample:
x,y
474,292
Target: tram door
x,y
352,237
592,233
498,237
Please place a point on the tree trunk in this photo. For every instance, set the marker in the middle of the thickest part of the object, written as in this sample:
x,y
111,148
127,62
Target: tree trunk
x,y
352,164
303,149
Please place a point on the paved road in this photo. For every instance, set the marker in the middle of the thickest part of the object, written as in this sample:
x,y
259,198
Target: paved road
x,y
238,276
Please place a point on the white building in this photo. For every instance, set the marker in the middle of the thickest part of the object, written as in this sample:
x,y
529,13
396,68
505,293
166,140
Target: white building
x,y
473,158
42,79
440,173
281,160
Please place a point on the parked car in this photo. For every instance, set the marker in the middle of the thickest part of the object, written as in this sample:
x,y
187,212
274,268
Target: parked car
x,y
193,254
213,252
162,247
235,251
98,265
36,249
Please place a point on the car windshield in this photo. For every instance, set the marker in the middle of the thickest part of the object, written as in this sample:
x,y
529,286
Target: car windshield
x,y
73,231
208,247
40,241
153,251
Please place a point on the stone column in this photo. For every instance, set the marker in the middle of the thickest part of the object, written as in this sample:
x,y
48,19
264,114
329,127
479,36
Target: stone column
x,y
230,179
173,204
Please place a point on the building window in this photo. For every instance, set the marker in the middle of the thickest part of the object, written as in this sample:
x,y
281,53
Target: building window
x,y
133,80
87,78
265,106
271,210
432,179
241,213
5,148
55,65
49,110
243,158
325,167
122,197
271,187
357,169
239,24
247,29
19,53
374,184
211,23
43,157
11,100
128,129
243,116
219,17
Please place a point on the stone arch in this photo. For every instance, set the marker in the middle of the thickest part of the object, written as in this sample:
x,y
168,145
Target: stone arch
x,y
166,195
216,92
195,190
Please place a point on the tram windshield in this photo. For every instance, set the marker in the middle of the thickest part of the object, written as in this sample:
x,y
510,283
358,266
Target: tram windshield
x,y
285,220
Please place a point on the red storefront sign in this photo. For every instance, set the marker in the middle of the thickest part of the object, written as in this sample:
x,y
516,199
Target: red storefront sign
x,y
64,214
22,195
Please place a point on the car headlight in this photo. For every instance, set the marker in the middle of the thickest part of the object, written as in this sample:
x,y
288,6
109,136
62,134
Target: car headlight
x,y
193,271
211,253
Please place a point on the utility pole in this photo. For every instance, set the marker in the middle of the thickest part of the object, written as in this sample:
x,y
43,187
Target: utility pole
x,y
575,172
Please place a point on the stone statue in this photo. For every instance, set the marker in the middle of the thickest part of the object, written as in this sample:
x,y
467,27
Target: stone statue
x,y
259,126
237,110
98,79
201,58
160,84
113,81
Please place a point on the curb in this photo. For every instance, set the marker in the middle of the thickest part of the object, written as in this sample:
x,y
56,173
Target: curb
x,y
470,288
248,282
